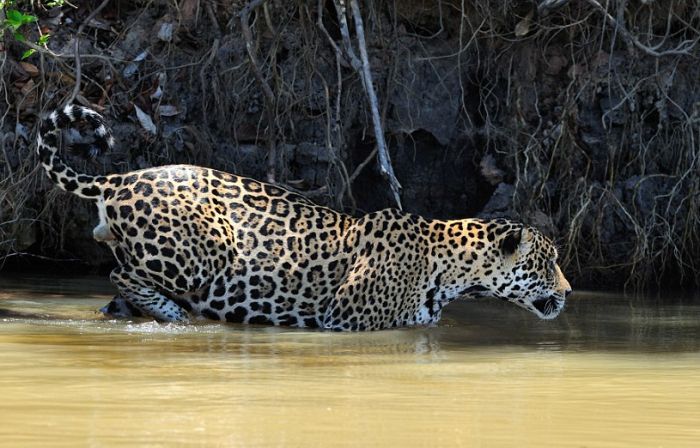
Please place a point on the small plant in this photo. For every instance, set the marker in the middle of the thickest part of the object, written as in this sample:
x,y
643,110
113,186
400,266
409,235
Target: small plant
x,y
14,19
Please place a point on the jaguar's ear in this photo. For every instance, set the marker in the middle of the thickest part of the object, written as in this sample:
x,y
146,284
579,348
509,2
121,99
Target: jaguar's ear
x,y
511,241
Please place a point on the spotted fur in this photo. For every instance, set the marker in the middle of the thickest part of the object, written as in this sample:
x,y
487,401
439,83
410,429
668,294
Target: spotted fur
x,y
192,241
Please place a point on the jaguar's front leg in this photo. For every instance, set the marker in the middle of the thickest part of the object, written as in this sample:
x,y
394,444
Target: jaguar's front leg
x,y
121,308
142,294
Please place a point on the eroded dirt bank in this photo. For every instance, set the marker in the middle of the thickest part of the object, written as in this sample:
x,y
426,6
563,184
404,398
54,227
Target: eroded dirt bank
x,y
581,120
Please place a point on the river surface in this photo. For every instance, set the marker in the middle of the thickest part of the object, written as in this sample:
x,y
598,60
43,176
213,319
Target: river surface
x,y
611,371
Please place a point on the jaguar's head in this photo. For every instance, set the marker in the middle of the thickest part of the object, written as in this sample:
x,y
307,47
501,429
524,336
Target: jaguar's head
x,y
518,264
534,280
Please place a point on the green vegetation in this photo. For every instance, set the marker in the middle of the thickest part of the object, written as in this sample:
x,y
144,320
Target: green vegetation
x,y
14,20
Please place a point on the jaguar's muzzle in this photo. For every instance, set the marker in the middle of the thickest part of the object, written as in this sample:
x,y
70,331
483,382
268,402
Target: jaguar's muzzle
x,y
548,307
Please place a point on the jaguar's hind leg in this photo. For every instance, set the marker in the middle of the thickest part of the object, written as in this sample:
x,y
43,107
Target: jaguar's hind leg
x,y
143,295
101,232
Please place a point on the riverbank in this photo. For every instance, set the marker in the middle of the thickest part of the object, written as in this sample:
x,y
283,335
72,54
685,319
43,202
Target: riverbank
x,y
580,121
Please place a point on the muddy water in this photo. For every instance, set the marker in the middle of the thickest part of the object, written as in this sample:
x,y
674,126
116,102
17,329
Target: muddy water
x,y
611,371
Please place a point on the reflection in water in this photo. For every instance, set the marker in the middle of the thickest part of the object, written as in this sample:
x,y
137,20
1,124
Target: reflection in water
x,y
611,371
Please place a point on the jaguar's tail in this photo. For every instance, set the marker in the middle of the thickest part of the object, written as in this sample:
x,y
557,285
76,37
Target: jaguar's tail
x,y
84,185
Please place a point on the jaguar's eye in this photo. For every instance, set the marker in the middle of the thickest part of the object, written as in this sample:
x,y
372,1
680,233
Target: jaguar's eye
x,y
552,265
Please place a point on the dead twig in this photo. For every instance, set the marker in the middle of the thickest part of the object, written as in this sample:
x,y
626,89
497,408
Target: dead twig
x,y
58,56
362,165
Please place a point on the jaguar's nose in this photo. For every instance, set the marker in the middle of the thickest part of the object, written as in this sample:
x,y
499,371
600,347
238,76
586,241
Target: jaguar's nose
x,y
567,292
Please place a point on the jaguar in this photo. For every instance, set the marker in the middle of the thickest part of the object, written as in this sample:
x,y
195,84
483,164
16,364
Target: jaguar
x,y
193,242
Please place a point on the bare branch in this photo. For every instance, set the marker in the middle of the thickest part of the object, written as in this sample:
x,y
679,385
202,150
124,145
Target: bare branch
x,y
362,67
345,35
386,168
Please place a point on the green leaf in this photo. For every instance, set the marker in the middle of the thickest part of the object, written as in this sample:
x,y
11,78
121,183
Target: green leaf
x,y
28,18
28,53
43,39
19,37
13,18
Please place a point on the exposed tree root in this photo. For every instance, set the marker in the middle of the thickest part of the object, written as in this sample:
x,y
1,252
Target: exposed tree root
x,y
270,98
